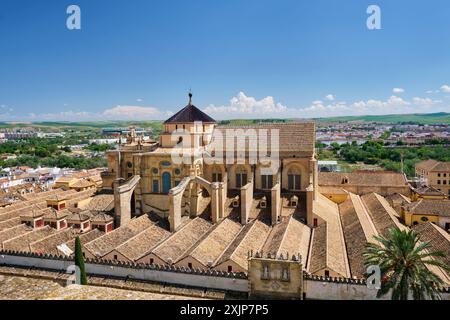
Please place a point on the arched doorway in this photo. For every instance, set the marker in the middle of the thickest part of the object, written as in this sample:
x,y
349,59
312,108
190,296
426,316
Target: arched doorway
x,y
166,182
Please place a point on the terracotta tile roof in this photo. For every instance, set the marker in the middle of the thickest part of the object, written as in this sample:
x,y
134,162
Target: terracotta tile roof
x,y
33,213
358,231
143,243
332,190
398,198
79,217
275,238
109,241
48,244
9,223
13,232
318,254
210,248
427,206
102,218
65,179
381,213
295,240
366,178
175,247
251,237
102,202
51,213
438,238
433,165
428,191
298,137
336,255
22,242
85,238
82,183
57,197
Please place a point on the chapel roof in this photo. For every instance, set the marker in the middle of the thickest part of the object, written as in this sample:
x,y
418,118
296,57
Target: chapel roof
x,y
190,113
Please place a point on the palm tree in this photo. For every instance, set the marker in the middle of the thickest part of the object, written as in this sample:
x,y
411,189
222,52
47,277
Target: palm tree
x,y
403,262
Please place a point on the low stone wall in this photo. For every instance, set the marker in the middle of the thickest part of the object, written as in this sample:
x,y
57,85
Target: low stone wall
x,y
164,274
314,287
318,288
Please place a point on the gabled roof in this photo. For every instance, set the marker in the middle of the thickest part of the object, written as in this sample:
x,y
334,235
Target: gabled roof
x,y
436,207
50,213
190,113
428,191
362,178
78,217
433,165
102,218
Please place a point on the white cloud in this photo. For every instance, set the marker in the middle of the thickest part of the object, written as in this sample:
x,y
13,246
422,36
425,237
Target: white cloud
x,y
329,97
139,100
445,88
244,105
133,112
116,113
424,101
63,116
398,90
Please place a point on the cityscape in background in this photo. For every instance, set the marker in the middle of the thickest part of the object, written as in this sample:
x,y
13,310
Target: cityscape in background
x,y
231,152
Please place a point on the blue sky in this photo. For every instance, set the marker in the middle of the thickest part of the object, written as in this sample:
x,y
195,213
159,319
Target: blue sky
x,y
241,58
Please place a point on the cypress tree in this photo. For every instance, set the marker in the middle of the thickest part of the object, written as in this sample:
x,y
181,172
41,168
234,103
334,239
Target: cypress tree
x,y
79,261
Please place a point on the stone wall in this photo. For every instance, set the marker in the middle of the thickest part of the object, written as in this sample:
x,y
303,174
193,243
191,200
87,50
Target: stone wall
x,y
315,287
319,288
210,279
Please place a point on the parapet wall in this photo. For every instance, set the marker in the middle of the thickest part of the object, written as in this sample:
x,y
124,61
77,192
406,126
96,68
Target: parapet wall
x,y
321,288
314,287
210,279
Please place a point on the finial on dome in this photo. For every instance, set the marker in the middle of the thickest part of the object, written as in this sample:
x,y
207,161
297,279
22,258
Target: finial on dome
x,y
190,98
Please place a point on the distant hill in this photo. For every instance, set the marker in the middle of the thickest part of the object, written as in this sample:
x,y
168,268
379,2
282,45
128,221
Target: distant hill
x,y
97,125
425,118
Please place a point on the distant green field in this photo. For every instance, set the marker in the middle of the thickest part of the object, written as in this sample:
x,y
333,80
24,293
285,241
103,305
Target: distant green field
x,y
429,118
97,126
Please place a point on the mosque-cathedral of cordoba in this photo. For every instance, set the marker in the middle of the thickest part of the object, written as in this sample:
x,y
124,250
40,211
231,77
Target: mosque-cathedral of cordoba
x,y
275,221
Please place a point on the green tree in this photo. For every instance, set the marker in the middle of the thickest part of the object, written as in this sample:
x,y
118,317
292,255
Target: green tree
x,y
404,262
79,261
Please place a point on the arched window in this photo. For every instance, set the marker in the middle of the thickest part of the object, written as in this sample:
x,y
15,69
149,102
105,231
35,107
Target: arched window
x,y
166,182
294,179
155,186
